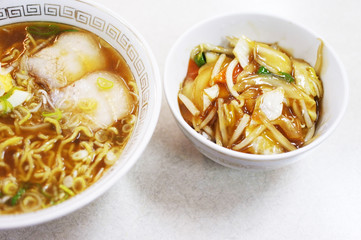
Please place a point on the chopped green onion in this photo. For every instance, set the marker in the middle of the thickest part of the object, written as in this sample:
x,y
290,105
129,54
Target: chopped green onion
x,y
43,30
47,30
288,77
87,104
41,190
263,70
67,190
70,30
14,200
7,107
104,83
18,99
10,188
200,59
8,94
12,98
57,115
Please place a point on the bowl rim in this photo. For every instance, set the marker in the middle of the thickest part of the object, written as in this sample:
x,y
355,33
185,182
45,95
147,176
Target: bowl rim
x,y
240,155
10,221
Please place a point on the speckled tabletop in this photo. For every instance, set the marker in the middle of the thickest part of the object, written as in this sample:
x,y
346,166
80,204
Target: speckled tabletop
x,y
173,192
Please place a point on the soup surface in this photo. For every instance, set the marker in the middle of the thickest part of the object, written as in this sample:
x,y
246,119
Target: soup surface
x,y
251,97
68,104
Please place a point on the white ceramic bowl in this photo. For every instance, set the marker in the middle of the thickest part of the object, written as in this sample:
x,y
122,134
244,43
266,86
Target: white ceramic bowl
x,y
123,37
300,41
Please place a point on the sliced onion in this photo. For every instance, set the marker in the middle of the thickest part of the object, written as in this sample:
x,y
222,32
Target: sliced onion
x,y
209,117
189,104
319,61
222,124
218,136
255,133
241,126
212,92
305,114
206,102
310,134
229,77
208,130
279,136
218,65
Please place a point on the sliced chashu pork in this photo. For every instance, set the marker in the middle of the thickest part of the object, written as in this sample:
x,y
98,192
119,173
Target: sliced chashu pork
x,y
92,104
73,55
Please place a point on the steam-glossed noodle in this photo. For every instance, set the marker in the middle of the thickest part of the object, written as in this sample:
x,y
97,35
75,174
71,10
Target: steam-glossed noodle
x,y
103,107
73,55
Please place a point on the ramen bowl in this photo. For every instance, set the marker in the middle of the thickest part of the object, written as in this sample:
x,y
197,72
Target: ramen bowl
x,y
133,48
296,39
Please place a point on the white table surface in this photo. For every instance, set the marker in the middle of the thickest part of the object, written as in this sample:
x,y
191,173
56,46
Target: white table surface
x,y
173,192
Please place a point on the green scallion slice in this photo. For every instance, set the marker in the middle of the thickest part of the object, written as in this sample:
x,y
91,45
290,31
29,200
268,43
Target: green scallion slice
x,y
200,59
263,70
14,200
57,115
43,30
288,77
104,83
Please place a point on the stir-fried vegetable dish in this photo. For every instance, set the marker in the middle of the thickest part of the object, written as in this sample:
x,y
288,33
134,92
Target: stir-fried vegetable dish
x,y
252,97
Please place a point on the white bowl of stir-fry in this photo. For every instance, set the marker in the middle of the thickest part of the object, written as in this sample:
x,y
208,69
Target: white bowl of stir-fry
x,y
253,90
80,96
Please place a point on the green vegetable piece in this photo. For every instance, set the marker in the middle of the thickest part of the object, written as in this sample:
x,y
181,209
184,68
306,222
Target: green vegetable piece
x,y
288,77
14,200
57,115
200,59
8,94
43,30
70,30
104,83
263,70
7,107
